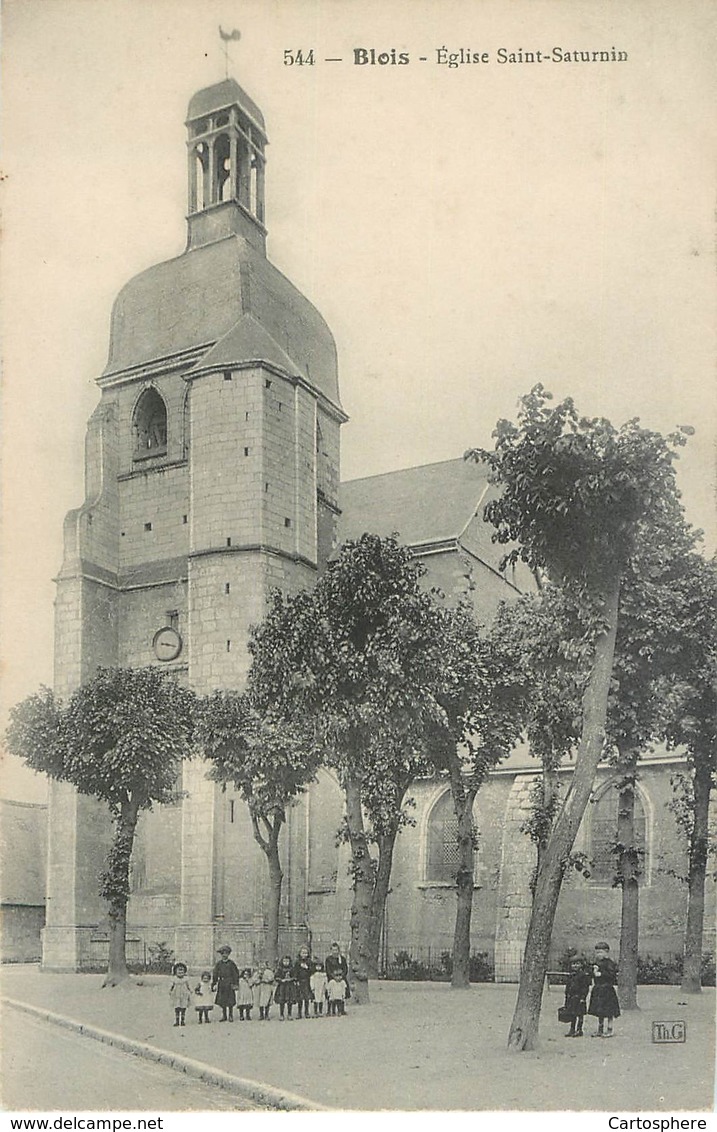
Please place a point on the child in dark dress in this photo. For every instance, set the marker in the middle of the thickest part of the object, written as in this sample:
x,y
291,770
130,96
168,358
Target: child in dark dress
x,y
285,992
603,1001
225,978
576,993
302,975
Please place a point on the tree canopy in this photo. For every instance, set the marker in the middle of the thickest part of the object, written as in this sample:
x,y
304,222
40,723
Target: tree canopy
x,y
121,738
359,656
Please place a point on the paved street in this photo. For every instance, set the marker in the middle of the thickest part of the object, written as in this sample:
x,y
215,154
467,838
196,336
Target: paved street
x,y
46,1068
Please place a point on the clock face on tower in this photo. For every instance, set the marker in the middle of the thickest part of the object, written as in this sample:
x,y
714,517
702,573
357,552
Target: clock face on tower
x,y
167,643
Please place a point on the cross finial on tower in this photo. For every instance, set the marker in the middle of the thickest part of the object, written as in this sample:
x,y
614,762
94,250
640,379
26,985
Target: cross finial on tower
x,y
226,38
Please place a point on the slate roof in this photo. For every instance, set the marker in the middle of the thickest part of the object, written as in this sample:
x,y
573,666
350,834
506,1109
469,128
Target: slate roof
x,y
219,97
204,296
427,504
23,841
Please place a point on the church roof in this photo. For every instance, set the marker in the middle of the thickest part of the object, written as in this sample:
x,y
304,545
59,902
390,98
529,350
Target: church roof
x,y
204,296
248,341
219,97
429,503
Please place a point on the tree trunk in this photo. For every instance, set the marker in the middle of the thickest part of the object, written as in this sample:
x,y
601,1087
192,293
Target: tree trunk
x,y
463,805
269,845
381,882
524,1026
692,963
551,783
276,876
360,951
628,871
115,889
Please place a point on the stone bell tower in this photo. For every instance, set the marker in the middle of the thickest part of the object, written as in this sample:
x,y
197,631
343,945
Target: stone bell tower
x,y
212,473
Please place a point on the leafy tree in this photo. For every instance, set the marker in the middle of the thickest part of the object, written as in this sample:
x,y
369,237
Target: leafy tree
x,y
650,608
575,494
359,657
543,627
483,702
394,763
121,738
690,694
269,766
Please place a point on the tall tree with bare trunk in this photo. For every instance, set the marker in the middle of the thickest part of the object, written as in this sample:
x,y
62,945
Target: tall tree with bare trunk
x,y
483,700
577,494
270,765
691,694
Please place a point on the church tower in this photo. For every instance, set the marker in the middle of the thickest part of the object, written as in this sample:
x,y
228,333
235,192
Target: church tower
x,y
212,474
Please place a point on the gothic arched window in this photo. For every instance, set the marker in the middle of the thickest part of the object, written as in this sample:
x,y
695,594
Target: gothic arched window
x,y
602,836
150,425
442,842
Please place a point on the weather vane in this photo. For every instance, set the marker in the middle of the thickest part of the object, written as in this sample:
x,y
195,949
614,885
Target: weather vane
x,y
226,38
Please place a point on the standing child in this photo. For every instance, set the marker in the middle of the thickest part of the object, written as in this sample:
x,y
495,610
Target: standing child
x,y
245,997
336,991
302,976
603,1001
576,993
203,997
263,987
318,987
180,993
285,993
225,977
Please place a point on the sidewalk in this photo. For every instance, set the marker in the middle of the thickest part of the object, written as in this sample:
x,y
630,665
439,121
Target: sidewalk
x,y
418,1046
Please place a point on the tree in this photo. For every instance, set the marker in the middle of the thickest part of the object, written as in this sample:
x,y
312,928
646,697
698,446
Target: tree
x,y
359,656
690,693
269,765
644,654
543,627
575,492
121,738
483,703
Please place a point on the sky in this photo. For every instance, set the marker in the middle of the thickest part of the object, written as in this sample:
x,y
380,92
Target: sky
x,y
466,231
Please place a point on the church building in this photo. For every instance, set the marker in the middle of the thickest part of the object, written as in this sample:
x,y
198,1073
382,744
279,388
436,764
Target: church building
x,y
211,478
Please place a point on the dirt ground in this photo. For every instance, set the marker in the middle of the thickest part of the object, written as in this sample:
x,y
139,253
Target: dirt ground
x,y
419,1046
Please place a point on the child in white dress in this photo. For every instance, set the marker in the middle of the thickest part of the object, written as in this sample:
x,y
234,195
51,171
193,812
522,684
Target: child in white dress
x,y
319,982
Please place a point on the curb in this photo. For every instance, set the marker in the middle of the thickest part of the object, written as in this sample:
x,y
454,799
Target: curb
x,y
265,1095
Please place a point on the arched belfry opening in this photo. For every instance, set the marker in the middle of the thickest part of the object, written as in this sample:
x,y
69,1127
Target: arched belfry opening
x,y
149,425
226,144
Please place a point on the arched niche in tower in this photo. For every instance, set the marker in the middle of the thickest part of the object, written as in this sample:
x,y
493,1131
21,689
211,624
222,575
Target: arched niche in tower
x,y
149,425
199,172
223,169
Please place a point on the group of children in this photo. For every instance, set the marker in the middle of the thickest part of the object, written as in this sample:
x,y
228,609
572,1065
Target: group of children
x,y
603,999
304,982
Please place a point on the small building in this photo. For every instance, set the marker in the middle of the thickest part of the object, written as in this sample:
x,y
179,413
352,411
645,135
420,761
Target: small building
x,y
23,847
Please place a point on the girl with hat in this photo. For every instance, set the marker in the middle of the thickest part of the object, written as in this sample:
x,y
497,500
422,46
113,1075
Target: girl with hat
x,y
603,1001
225,978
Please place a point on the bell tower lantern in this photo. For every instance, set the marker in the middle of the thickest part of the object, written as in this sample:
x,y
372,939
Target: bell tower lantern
x,y
226,147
